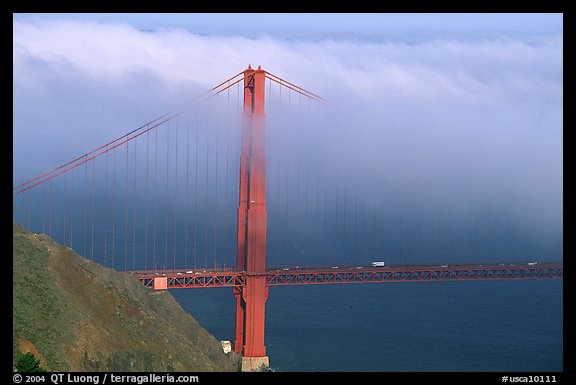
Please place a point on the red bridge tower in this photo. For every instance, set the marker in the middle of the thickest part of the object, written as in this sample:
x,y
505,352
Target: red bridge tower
x,y
251,298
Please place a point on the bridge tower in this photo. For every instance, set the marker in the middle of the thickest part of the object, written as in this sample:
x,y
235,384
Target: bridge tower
x,y
251,258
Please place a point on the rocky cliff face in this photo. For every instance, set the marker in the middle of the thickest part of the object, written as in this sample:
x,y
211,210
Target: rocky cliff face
x,y
76,315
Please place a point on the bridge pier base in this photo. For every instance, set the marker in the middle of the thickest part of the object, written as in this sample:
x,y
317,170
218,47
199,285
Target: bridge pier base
x,y
254,364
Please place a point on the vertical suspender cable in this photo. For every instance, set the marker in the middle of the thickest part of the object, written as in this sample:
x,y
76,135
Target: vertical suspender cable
x,y
394,232
495,238
355,223
64,199
175,195
414,233
475,234
373,244
469,243
335,235
363,230
278,209
226,201
343,242
134,207
20,211
114,211
226,206
297,220
391,234
187,193
126,212
438,238
286,215
451,249
216,197
92,214
381,243
43,208
106,211
29,228
196,198
146,201
225,248
317,222
307,228
325,226
433,231
50,220
155,262
513,238
166,208
402,232
206,202
401,219
71,207
375,229
85,204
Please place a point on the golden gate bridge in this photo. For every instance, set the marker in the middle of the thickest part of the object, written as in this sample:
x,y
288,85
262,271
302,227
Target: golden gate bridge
x,y
183,202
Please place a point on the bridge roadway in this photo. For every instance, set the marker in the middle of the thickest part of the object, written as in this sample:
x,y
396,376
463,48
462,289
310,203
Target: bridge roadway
x,y
202,278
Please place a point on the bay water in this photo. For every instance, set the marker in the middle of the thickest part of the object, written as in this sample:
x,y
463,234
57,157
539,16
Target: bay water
x,y
409,326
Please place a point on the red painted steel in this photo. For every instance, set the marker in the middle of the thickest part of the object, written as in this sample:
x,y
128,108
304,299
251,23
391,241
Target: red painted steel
x,y
251,299
243,210
329,275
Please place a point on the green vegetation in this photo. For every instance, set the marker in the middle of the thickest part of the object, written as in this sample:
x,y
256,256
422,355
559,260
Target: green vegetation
x,y
72,314
37,310
28,363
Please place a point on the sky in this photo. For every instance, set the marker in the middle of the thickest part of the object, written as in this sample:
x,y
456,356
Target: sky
x,y
304,25
449,109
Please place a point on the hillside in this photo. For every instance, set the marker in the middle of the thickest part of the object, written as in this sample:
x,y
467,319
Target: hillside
x,y
76,315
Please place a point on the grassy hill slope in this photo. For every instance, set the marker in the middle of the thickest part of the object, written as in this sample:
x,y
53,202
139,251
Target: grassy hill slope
x,y
76,315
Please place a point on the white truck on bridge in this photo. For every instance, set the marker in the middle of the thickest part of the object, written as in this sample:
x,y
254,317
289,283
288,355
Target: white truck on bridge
x,y
378,264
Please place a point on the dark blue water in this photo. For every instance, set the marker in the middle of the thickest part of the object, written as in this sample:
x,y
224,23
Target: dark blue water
x,y
433,326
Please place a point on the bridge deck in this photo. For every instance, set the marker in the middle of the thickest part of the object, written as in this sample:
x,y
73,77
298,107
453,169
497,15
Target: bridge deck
x,y
358,274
